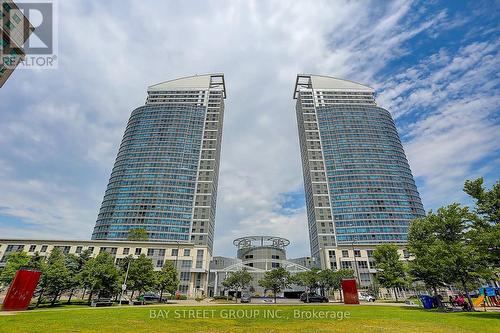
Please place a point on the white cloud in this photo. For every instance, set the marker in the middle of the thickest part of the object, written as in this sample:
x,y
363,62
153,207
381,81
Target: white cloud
x,y
62,132
447,144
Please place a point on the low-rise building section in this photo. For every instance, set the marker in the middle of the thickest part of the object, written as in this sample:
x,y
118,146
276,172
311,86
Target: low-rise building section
x,y
192,261
359,258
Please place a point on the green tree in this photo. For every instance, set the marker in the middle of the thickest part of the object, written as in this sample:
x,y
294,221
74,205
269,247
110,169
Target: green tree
x,y
141,276
167,279
308,279
238,281
390,269
100,276
81,260
138,234
427,266
487,201
56,277
486,231
37,262
332,280
276,280
75,264
15,261
446,241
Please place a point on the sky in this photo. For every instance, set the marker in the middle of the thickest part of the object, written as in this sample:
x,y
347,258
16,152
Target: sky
x,y
434,65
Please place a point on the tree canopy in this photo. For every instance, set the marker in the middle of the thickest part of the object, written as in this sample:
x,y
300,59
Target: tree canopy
x,y
138,234
486,231
15,261
276,280
446,249
238,280
99,275
167,279
309,279
390,269
141,276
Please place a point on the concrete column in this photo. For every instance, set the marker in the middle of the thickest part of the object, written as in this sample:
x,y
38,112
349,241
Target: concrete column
x,y
216,280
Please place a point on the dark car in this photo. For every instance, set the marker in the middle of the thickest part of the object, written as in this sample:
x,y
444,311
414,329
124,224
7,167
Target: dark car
x,y
246,298
313,297
149,297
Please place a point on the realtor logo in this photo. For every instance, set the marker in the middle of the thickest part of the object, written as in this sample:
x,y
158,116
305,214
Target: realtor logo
x,y
41,16
29,34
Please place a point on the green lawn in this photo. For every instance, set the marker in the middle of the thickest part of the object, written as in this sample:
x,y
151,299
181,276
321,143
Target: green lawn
x,y
222,319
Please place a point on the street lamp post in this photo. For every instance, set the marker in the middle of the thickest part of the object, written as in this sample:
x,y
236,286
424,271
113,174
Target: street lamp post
x,y
354,254
356,262
177,265
124,285
177,257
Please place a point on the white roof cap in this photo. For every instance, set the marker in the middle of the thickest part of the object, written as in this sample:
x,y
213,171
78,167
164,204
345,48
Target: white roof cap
x,y
196,82
311,81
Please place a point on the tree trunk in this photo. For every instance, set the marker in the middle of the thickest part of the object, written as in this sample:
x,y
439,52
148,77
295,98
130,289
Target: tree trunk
x,y
395,293
90,297
438,299
275,296
84,292
132,295
161,295
341,296
54,299
464,284
39,298
70,295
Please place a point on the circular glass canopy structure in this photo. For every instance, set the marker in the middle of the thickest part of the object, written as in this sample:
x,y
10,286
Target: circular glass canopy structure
x,y
261,241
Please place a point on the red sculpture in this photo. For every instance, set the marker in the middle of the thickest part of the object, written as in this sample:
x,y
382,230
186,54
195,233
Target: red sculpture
x,y
21,290
350,291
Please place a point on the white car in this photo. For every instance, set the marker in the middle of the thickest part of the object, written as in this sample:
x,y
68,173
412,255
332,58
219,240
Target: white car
x,y
366,297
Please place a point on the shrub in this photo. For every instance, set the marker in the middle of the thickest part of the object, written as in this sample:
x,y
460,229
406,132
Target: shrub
x,y
219,297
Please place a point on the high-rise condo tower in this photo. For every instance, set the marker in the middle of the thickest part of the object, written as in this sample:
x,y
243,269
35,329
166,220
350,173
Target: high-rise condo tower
x,y
165,175
358,184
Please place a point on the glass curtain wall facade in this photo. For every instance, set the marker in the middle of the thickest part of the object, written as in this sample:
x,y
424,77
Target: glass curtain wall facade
x,y
165,175
358,183
15,29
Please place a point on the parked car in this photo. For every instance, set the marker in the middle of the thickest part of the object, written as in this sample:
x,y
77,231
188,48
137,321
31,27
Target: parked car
x,y
149,297
246,298
313,297
366,297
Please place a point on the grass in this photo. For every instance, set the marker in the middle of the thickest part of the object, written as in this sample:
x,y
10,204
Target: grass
x,y
218,319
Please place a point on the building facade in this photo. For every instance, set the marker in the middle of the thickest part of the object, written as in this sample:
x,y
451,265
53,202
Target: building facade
x,y
358,258
166,173
192,261
359,188
15,29
258,255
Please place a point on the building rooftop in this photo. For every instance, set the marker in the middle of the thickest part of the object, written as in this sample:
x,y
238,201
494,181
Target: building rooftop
x,y
104,242
311,81
205,81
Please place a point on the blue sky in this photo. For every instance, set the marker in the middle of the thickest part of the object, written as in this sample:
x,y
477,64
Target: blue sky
x,y
434,65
